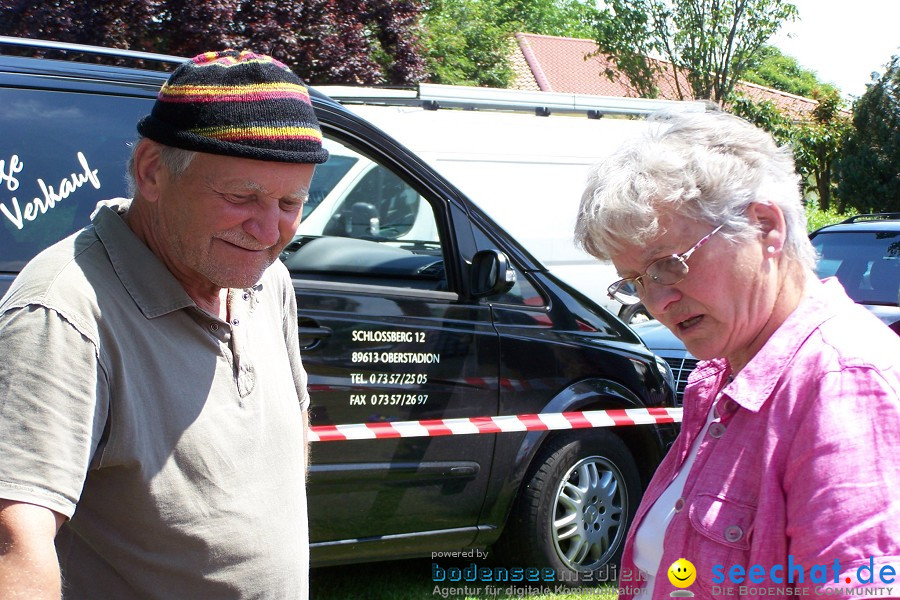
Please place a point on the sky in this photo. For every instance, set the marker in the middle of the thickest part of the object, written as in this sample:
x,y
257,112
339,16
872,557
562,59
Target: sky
x,y
843,41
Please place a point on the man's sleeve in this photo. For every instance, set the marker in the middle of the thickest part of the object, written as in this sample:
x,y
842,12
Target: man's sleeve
x,y
50,417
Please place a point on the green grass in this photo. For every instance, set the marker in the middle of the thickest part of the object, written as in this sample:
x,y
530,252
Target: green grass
x,y
412,580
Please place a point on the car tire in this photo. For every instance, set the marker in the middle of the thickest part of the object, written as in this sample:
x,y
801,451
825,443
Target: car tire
x,y
574,510
634,313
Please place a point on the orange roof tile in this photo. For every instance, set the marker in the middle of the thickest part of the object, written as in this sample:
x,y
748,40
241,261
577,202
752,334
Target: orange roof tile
x,y
524,77
572,65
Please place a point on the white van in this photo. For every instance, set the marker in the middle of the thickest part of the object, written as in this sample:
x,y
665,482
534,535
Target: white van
x,y
526,171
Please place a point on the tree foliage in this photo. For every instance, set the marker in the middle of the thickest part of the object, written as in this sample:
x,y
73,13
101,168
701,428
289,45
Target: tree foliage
x,y
711,42
68,20
816,141
325,41
469,42
564,18
764,114
870,166
624,34
773,69
466,45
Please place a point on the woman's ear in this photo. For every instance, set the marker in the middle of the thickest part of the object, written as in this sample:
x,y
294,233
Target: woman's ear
x,y
772,226
148,170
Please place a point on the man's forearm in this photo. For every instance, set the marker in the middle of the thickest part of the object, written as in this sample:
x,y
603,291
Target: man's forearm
x,y
29,576
29,568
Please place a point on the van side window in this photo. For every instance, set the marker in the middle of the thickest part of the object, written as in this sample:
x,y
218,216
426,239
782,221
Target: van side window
x,y
381,205
368,226
60,153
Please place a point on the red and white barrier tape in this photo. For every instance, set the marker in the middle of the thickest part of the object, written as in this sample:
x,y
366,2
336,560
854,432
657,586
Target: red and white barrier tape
x,y
503,424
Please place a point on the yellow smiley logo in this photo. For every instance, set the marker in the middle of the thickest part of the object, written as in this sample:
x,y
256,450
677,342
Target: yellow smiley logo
x,y
682,573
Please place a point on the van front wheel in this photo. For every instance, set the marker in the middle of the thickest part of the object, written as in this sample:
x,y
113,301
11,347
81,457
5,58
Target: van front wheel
x,y
574,512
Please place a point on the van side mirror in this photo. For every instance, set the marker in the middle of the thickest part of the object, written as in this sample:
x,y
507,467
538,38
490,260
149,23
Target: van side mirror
x,y
491,274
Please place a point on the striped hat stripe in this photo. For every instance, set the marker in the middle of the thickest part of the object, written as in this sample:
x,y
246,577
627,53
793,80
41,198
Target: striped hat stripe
x,y
213,59
266,132
235,96
248,93
179,90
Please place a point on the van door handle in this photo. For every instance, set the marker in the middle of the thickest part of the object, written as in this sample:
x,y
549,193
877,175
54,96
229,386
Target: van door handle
x,y
315,332
311,334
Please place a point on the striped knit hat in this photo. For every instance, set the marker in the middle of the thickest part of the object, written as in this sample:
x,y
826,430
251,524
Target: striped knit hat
x,y
237,104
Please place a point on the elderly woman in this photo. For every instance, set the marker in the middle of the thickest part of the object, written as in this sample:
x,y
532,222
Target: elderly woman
x,y
787,471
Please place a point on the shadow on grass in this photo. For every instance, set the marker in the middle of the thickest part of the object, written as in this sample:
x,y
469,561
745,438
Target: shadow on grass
x,y
412,580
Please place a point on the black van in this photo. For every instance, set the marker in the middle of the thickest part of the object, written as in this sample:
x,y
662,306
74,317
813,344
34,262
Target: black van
x,y
413,305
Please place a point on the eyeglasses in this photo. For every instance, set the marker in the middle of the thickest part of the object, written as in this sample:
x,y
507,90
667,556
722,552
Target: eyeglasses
x,y
668,270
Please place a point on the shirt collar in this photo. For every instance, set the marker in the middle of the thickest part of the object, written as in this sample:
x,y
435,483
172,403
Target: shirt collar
x,y
753,385
152,286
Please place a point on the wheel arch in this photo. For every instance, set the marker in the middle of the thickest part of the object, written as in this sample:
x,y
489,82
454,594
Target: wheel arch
x,y
644,442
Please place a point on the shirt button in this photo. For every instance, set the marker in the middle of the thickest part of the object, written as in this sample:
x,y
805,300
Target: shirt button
x,y
214,327
235,322
733,533
679,505
246,296
716,430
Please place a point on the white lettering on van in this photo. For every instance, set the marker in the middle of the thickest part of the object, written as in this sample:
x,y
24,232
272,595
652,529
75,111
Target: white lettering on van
x,y
40,206
8,175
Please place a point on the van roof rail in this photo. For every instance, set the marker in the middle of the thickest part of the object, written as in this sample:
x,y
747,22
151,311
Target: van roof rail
x,y
872,217
434,96
86,49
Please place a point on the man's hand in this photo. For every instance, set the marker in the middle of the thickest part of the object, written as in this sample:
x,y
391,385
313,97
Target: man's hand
x,y
29,567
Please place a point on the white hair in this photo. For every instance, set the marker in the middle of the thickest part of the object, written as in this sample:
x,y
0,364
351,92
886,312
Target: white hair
x,y
704,166
176,161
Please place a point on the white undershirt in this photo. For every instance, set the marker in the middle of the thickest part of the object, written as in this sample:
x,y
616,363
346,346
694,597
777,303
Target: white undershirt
x,y
649,537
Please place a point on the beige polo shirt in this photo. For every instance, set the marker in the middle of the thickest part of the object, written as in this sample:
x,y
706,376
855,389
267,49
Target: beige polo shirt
x,y
173,440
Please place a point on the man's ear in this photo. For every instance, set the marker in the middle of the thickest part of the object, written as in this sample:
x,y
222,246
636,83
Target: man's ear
x,y
772,226
149,170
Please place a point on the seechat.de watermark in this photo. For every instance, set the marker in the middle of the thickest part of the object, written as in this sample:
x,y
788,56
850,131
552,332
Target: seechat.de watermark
x,y
794,578
795,573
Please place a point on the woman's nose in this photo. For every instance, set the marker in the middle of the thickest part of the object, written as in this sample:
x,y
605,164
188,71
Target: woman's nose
x,y
658,298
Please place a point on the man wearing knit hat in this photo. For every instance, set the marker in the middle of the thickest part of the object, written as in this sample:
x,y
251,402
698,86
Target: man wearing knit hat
x,y
152,410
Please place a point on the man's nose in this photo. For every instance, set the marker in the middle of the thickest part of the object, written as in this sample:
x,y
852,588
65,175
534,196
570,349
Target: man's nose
x,y
263,224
